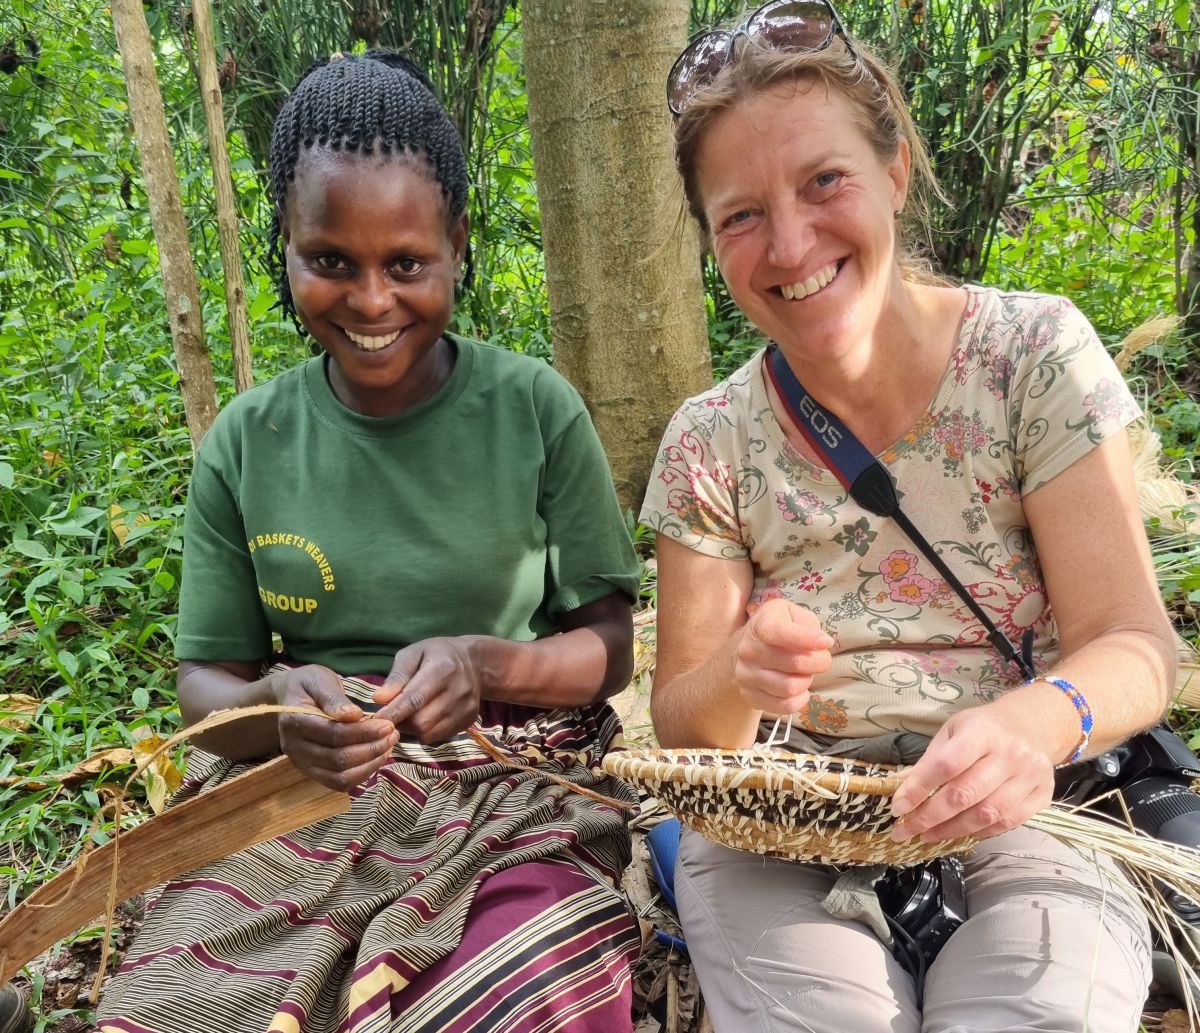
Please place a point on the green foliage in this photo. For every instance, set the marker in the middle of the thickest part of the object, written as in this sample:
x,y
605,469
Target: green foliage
x,y
92,419
506,301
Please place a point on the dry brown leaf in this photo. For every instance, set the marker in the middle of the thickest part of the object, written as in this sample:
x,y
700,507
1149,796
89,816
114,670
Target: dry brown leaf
x,y
1176,1021
105,760
120,528
17,710
161,778
52,458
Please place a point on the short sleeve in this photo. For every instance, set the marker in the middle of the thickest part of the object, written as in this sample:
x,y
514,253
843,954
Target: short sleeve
x,y
220,616
692,493
1068,394
588,551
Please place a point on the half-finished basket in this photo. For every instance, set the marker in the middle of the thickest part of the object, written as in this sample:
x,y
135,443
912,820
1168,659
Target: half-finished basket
x,y
795,805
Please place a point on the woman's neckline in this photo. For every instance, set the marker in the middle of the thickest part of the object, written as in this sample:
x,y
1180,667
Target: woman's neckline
x,y
800,453
335,411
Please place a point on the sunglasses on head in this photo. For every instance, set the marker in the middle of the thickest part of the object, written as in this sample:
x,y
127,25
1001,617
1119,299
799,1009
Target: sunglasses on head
x,y
777,24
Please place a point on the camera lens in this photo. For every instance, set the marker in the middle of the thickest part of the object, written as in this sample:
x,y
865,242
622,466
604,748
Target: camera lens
x,y
1164,808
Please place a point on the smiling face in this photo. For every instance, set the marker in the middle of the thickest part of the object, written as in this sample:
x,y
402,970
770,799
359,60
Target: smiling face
x,y
371,260
801,212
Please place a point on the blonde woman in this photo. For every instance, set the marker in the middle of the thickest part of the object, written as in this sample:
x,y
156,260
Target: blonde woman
x,y
1000,417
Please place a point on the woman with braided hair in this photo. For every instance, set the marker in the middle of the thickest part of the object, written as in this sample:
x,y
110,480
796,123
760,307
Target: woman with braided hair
x,y
428,528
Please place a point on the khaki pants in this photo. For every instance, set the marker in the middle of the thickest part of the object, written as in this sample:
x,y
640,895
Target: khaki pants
x,y
1050,944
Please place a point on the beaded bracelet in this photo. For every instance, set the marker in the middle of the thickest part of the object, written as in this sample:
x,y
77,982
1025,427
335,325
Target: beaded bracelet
x,y
1082,707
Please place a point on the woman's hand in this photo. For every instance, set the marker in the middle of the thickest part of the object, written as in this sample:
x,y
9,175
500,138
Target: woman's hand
x,y
985,772
780,649
339,750
433,690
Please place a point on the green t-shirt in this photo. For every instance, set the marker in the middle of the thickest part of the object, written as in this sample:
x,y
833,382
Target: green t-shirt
x,y
487,509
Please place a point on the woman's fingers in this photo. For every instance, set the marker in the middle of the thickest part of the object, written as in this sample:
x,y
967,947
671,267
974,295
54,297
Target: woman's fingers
x,y
343,779
441,690
320,687
333,734
947,756
777,657
783,625
340,762
339,750
976,777
773,691
1012,804
405,665
1037,800
976,801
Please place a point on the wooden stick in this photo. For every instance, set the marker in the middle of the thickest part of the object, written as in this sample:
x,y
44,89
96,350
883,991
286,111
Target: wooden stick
x,y
227,220
490,748
271,800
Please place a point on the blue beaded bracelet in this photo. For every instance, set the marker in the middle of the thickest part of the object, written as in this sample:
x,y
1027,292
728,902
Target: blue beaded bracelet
x,y
1082,707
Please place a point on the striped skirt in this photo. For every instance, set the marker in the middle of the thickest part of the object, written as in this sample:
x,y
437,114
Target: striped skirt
x,y
456,894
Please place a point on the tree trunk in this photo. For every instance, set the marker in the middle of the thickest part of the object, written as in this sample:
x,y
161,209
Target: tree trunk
x,y
180,286
227,219
622,266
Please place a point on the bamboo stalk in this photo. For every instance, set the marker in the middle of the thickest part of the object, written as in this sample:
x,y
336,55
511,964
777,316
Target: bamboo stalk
x,y
227,220
271,800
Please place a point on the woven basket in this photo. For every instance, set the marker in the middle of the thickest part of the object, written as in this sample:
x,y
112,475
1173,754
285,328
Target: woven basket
x,y
794,805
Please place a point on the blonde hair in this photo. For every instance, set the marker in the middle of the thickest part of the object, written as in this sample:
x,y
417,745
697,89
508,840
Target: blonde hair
x,y
872,92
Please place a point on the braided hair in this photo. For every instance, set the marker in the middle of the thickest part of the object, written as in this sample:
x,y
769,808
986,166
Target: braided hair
x,y
379,102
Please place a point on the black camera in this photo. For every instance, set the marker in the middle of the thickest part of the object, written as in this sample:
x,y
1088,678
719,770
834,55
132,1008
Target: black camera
x,y
1154,772
922,906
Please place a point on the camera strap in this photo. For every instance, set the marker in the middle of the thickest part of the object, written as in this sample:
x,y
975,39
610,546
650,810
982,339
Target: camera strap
x,y
869,483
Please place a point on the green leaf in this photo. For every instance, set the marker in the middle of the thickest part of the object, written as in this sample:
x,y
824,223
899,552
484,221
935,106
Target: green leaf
x,y
6,475
69,662
9,174
34,550
135,247
77,524
141,698
260,306
73,590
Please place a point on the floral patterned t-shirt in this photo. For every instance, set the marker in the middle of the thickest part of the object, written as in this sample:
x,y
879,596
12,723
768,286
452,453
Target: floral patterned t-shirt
x,y
1029,389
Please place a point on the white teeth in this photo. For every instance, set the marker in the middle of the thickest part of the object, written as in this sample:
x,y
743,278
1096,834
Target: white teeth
x,y
371,344
820,279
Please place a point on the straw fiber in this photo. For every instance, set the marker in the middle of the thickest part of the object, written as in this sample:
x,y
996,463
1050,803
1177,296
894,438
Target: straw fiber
x,y
798,806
